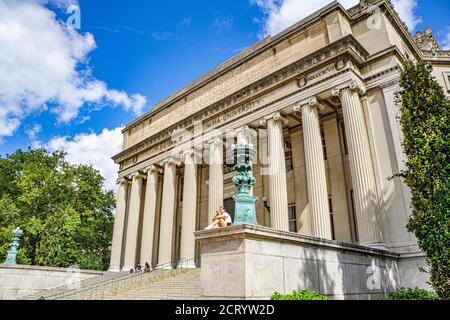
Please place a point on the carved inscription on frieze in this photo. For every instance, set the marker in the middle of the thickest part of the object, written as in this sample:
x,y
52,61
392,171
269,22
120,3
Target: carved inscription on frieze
x,y
225,110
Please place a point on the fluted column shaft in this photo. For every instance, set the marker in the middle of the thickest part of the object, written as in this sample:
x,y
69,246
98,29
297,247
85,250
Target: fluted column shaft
x,y
215,191
119,225
315,171
277,173
133,223
364,187
148,222
166,233
189,212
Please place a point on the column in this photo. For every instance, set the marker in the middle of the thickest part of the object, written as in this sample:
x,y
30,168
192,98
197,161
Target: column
x,y
277,171
189,211
215,191
166,233
148,222
133,222
119,225
364,187
315,169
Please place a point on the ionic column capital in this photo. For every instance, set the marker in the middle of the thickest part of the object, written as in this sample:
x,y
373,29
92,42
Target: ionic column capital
x,y
213,142
123,181
308,102
152,168
170,161
352,85
188,156
244,129
276,116
243,134
136,175
187,153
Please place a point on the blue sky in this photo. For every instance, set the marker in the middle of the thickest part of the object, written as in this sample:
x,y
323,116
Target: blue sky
x,y
144,48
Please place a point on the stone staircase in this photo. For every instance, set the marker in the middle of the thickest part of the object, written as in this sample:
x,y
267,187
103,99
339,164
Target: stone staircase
x,y
161,284
184,285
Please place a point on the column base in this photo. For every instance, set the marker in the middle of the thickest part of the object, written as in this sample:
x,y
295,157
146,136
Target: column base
x,y
114,269
164,267
127,268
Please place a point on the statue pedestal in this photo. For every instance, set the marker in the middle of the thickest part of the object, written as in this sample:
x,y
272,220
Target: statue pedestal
x,y
245,209
252,262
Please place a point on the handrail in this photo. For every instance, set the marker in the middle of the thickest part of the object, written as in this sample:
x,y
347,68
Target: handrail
x,y
127,281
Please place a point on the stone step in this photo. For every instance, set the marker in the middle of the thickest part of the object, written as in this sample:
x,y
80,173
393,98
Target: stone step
x,y
183,286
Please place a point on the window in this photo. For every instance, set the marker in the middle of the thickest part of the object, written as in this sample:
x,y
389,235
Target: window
x,y
181,187
229,206
352,198
292,218
330,206
324,147
447,80
288,155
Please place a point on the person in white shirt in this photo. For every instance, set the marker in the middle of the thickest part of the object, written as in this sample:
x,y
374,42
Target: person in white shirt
x,y
221,219
226,216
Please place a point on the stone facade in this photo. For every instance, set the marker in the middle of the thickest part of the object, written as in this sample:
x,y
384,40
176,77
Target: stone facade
x,y
317,102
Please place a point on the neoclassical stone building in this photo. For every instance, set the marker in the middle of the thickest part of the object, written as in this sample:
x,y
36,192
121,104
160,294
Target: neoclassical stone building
x,y
317,102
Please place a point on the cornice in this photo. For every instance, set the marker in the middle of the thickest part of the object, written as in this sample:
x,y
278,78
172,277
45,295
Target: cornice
x,y
360,12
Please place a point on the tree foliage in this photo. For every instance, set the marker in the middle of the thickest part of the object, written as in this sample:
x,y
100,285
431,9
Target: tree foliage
x,y
412,294
425,123
66,216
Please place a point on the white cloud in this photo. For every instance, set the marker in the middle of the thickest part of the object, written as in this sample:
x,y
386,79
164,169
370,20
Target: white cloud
x,y
44,66
281,14
32,135
446,41
93,149
406,10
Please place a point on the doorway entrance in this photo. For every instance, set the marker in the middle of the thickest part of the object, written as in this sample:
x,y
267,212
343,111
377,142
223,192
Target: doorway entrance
x,y
229,206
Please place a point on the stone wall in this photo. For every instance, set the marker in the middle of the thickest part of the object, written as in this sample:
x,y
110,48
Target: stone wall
x,y
17,281
252,262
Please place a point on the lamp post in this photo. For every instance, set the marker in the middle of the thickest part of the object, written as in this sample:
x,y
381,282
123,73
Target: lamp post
x,y
14,245
245,209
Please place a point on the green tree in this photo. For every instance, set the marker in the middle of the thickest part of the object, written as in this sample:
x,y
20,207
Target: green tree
x,y
425,123
66,216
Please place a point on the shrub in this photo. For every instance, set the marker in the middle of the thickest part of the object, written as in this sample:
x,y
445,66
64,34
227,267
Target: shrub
x,y
425,118
412,294
305,294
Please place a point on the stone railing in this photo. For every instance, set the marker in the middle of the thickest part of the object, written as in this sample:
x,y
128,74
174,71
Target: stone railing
x,y
17,281
117,283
